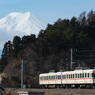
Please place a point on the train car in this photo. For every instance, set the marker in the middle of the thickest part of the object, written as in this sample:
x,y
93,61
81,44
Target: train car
x,y
69,79
79,78
50,79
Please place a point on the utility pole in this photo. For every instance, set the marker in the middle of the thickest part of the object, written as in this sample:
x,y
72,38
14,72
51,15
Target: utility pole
x,y
22,74
71,58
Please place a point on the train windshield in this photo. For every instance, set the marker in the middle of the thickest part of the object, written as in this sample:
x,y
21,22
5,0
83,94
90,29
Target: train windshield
x,y
93,75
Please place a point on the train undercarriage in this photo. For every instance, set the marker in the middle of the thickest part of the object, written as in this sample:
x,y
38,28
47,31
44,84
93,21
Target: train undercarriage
x,y
67,86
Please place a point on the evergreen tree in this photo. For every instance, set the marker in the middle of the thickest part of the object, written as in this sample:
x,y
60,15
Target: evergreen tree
x,y
16,45
6,54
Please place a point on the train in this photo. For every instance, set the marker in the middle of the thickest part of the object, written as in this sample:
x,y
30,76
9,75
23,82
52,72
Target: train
x,y
79,78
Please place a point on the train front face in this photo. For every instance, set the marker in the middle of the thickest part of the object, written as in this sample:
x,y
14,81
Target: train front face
x,y
43,79
93,76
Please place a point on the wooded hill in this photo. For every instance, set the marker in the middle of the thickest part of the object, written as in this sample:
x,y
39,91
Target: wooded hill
x,y
51,49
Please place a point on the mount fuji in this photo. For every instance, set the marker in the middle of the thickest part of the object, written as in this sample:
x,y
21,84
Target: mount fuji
x,y
19,24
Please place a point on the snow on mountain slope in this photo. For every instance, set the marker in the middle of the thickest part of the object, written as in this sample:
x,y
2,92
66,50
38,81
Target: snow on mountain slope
x,y
19,24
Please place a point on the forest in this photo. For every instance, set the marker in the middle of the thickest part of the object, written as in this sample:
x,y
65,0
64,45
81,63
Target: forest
x,y
46,51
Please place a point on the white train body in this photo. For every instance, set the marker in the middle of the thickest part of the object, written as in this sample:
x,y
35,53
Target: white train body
x,y
76,77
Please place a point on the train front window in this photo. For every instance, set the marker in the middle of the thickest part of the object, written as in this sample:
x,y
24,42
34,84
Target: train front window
x,y
41,78
93,75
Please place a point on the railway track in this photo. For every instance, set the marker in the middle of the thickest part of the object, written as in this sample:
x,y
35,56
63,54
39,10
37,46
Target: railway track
x,y
58,91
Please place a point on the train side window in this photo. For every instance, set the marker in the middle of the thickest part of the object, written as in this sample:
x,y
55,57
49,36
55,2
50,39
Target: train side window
x,y
71,75
63,76
44,78
59,76
75,75
53,77
82,75
67,76
88,75
56,77
78,75
85,75
49,77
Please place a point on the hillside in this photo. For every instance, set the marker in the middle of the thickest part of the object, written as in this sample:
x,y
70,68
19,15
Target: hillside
x,y
51,49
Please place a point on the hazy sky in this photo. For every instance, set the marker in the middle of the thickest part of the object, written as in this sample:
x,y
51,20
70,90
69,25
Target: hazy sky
x,y
47,10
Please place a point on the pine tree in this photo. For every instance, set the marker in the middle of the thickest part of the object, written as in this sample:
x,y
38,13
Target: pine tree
x,y
16,45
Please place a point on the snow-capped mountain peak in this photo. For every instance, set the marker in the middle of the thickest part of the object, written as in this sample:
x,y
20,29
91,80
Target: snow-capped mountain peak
x,y
22,22
19,24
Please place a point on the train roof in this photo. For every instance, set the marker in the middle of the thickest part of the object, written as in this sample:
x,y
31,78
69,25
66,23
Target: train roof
x,y
50,73
75,71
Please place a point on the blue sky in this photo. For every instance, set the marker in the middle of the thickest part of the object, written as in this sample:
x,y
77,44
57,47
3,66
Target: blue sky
x,y
47,10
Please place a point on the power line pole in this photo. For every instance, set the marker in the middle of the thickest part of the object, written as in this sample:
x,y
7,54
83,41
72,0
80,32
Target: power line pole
x,y
22,74
0,80
71,58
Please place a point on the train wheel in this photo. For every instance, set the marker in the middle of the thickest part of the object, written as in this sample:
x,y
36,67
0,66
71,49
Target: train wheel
x,y
93,86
